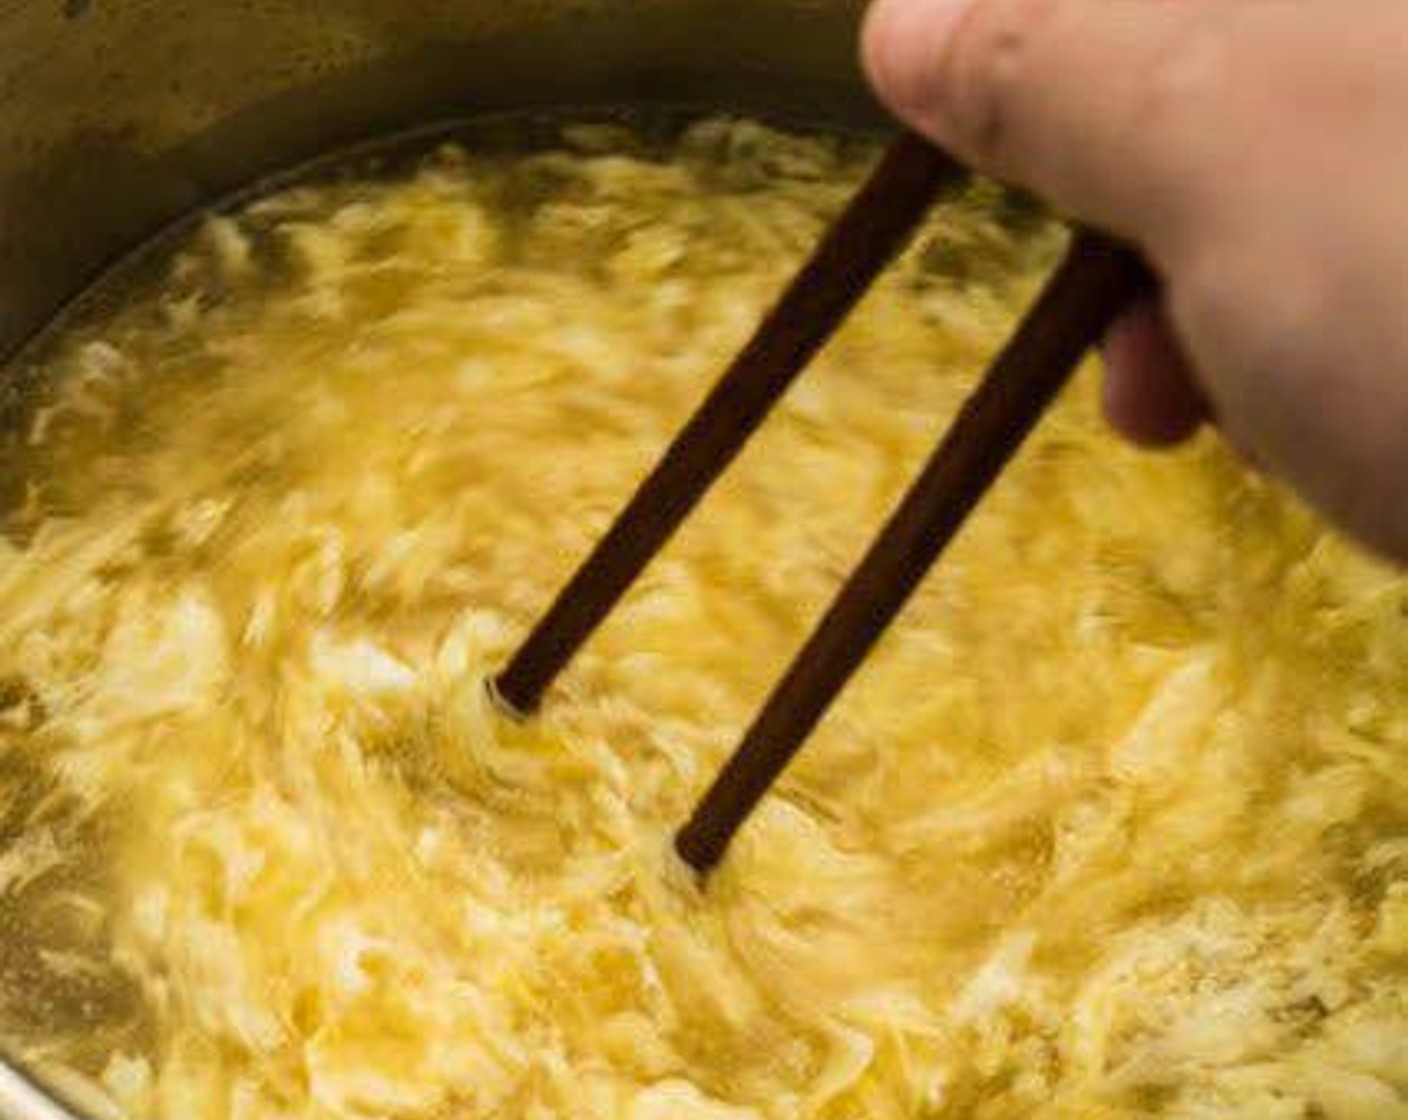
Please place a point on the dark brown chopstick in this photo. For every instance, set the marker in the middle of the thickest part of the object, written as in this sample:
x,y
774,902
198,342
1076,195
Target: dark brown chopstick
x,y
873,227
1094,282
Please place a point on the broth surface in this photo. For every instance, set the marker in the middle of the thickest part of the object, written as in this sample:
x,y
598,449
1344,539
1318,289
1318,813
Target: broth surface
x,y
1114,824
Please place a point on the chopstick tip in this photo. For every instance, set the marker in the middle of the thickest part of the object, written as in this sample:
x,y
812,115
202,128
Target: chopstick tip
x,y
699,853
501,702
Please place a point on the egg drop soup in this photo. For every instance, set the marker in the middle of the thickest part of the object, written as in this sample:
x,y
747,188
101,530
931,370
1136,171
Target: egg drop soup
x,y
1114,824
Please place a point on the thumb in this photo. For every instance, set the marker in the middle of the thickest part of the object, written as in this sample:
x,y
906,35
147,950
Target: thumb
x,y
1104,107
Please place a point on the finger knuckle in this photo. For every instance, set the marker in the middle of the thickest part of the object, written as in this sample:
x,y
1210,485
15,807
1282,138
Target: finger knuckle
x,y
992,72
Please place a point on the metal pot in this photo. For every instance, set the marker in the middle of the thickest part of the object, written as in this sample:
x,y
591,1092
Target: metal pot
x,y
118,118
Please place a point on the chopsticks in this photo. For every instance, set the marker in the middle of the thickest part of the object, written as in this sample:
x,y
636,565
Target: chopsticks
x,y
1095,280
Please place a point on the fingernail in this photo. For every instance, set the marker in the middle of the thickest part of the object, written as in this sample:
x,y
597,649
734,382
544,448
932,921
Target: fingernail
x,y
903,47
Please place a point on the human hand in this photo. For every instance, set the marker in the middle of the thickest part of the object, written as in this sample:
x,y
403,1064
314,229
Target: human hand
x,y
1256,151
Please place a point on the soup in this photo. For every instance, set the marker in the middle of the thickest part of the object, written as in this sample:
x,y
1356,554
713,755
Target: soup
x,y
1114,823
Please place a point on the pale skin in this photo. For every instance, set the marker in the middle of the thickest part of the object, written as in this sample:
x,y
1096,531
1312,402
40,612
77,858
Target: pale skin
x,y
1256,152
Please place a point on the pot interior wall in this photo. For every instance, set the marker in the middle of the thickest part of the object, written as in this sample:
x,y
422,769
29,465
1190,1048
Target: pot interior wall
x,y
116,118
